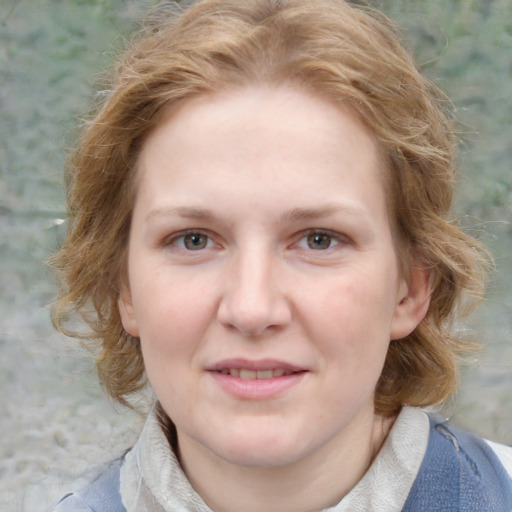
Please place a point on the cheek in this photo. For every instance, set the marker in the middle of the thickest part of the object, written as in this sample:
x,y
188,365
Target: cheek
x,y
171,329
352,322
172,306
173,316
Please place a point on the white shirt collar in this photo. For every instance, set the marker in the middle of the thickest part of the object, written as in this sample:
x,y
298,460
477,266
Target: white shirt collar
x,y
152,479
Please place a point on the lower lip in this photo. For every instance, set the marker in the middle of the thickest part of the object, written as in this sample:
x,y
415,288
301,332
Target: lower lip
x,y
257,389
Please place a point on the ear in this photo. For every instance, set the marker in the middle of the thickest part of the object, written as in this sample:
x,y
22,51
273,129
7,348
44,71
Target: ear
x,y
412,304
127,312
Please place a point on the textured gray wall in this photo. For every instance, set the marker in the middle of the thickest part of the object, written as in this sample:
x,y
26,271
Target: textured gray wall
x,y
55,423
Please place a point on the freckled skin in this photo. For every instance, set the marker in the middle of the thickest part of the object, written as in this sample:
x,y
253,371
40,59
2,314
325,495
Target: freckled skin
x,y
294,262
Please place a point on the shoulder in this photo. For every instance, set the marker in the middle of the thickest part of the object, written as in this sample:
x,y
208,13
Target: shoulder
x,y
460,471
101,494
494,457
504,454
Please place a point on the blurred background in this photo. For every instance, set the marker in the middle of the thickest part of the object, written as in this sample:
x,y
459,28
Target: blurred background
x,y
55,423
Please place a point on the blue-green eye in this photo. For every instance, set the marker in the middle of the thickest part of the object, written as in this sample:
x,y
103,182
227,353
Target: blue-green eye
x,y
194,241
318,241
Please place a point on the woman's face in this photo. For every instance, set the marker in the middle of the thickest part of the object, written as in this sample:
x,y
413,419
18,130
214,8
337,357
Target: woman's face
x,y
263,278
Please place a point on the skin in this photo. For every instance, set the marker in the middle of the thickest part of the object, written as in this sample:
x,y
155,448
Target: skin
x,y
260,238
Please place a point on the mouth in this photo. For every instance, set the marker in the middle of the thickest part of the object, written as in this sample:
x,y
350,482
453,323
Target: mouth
x,y
245,374
264,369
249,380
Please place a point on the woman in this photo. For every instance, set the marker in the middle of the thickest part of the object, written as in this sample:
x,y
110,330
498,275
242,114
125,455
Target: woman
x,y
259,223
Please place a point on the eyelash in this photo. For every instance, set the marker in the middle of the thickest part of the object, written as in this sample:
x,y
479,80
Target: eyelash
x,y
307,235
176,238
332,236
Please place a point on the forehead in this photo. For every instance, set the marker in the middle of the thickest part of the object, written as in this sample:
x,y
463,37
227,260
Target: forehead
x,y
267,114
298,141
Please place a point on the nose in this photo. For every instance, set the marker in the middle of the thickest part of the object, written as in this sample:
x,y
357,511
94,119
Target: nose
x,y
253,302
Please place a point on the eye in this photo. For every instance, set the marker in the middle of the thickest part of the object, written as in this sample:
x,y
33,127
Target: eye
x,y
319,241
192,241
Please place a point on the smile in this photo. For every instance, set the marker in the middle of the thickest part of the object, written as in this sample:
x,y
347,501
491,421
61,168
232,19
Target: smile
x,y
245,374
256,380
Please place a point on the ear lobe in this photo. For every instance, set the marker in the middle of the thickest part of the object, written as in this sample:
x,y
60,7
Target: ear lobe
x,y
412,305
127,313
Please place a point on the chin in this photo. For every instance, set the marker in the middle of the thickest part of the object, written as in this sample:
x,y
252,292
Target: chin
x,y
258,450
260,458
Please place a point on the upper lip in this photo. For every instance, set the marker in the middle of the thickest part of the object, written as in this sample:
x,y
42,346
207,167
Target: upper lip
x,y
255,365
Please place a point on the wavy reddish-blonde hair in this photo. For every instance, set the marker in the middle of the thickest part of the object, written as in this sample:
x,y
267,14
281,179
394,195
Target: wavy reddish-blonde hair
x,y
347,54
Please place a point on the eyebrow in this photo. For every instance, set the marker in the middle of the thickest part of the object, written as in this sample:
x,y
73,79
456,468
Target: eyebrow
x,y
298,214
294,215
182,211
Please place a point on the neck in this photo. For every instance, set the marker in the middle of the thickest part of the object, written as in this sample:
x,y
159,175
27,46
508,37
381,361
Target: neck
x,y
315,482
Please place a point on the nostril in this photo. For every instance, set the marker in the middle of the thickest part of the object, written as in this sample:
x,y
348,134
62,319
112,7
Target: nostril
x,y
252,302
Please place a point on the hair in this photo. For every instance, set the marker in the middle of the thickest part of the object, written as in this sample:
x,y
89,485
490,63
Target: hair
x,y
350,55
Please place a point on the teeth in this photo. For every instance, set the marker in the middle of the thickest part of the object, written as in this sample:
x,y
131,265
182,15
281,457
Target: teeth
x,y
255,374
264,374
248,374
